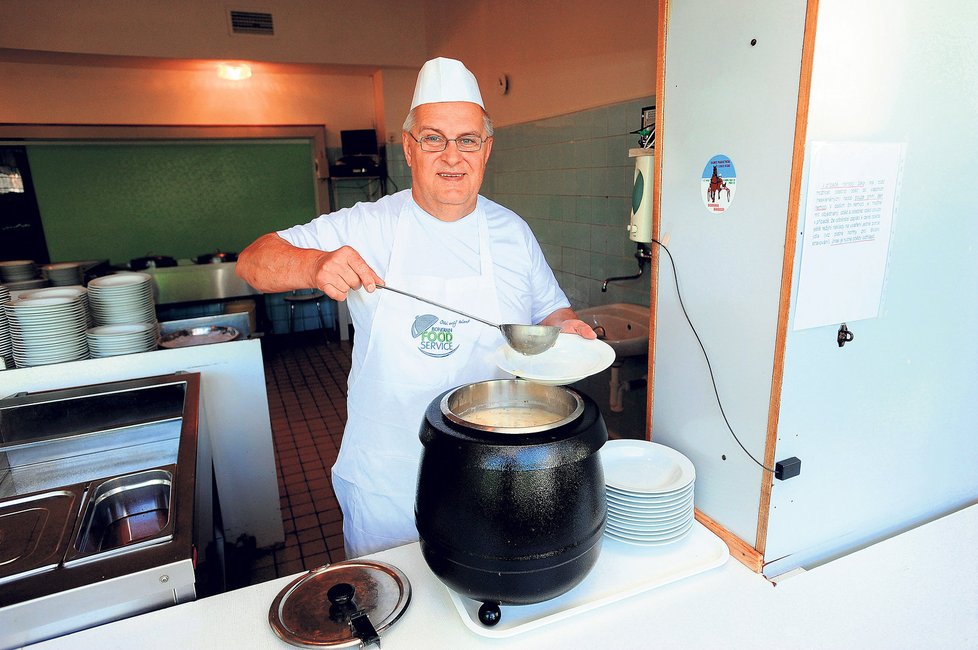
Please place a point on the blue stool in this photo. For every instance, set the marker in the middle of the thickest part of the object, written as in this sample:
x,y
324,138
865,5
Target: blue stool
x,y
303,297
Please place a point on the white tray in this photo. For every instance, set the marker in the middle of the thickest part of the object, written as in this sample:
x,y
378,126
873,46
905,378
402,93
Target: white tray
x,y
622,570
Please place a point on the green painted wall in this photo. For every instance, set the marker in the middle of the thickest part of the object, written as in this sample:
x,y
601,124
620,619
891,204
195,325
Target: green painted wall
x,y
182,199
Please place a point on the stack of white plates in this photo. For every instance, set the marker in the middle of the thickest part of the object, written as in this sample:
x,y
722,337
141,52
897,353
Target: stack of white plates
x,y
17,270
63,274
6,343
122,298
649,489
113,340
47,330
75,291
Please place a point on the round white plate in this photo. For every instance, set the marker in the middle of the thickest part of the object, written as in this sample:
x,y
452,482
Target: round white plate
x,y
118,330
650,528
571,359
650,515
661,542
117,280
54,292
649,500
651,535
645,467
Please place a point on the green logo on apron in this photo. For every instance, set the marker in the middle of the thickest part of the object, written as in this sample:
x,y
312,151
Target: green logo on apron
x,y
436,338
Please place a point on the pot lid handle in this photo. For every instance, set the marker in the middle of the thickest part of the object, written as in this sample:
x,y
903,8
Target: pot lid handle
x,y
344,609
318,610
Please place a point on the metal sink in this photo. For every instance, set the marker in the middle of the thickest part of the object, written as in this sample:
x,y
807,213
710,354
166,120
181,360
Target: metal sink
x,y
623,326
123,514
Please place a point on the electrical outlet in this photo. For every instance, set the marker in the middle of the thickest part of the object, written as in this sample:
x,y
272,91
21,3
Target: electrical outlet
x,y
787,468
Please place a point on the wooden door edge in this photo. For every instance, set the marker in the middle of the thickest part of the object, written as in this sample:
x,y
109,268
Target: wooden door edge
x,y
787,270
660,90
739,549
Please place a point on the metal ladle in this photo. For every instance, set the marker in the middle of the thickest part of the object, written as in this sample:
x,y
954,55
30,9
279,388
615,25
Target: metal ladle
x,y
525,339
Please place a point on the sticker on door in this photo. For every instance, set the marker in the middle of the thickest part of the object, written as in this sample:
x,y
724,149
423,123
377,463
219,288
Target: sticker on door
x,y
718,184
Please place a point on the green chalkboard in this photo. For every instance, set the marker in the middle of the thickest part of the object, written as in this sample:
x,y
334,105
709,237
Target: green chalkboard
x,y
118,201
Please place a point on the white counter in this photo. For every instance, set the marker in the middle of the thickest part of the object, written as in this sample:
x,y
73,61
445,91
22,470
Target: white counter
x,y
916,590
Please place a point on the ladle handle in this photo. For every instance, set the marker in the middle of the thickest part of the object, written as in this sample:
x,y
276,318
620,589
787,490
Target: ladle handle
x,y
436,304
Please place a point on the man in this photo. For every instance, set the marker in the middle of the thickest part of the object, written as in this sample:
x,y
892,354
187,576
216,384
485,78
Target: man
x,y
440,240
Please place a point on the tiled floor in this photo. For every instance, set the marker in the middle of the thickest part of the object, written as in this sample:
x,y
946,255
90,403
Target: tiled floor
x,y
306,380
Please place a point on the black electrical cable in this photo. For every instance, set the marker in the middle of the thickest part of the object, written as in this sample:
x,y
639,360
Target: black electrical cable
x,y
709,367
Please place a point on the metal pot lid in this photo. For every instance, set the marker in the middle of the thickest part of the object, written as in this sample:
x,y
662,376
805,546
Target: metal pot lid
x,y
340,605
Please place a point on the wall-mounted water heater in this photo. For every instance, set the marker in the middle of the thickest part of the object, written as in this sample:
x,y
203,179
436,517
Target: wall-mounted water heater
x,y
640,224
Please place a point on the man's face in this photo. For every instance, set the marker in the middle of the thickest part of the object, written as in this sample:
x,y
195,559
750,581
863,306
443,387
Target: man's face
x,y
446,183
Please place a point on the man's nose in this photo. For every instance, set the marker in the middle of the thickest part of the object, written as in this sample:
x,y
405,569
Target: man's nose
x,y
451,153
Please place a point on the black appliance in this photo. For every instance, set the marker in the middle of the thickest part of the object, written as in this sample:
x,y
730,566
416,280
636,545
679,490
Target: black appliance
x,y
360,157
510,516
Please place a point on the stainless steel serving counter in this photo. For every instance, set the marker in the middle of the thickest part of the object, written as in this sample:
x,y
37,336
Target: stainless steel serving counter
x,y
97,494
199,283
234,418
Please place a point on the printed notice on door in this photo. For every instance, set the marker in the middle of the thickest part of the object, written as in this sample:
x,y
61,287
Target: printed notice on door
x,y
852,191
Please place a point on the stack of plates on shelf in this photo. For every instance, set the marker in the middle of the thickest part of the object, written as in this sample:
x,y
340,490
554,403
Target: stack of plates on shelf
x,y
113,340
63,274
76,291
47,330
6,343
17,270
122,298
649,490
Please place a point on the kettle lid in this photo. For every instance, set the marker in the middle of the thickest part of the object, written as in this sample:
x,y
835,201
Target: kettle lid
x,y
340,605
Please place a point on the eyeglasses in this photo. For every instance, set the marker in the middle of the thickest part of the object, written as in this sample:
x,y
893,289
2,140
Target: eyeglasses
x,y
435,142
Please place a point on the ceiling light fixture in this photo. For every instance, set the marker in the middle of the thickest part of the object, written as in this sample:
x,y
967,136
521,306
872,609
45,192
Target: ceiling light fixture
x,y
234,71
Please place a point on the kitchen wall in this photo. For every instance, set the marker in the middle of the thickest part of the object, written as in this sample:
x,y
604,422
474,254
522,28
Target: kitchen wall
x,y
578,73
335,32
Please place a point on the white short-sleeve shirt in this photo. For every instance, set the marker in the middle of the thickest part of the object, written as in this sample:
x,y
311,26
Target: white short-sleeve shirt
x,y
526,288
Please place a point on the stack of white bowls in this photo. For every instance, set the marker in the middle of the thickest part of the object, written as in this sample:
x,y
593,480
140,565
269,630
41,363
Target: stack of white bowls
x,y
649,492
17,270
6,343
125,315
63,274
47,330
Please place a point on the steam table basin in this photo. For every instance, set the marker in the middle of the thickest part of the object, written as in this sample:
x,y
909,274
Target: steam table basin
x,y
97,489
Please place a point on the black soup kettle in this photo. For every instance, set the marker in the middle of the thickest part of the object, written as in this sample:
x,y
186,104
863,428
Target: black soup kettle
x,y
511,496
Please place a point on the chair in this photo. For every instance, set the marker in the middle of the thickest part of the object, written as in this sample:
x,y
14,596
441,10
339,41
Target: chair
x,y
304,297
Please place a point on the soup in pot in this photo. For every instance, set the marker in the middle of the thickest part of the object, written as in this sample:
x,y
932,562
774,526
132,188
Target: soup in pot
x,y
511,417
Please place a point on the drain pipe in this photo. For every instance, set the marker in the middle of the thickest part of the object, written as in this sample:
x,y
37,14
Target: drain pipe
x,y
618,388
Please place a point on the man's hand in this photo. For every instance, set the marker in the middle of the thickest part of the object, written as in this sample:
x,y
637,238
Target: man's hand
x,y
339,271
579,327
272,265
568,322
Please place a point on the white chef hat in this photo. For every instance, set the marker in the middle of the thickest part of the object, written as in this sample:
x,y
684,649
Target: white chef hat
x,y
446,80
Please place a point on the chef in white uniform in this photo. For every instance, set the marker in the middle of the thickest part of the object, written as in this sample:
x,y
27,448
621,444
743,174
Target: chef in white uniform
x,y
441,240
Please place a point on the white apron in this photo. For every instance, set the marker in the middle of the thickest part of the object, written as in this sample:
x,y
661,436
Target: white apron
x,y
415,352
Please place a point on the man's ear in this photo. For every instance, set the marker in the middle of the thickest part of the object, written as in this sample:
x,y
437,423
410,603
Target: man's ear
x,y
406,145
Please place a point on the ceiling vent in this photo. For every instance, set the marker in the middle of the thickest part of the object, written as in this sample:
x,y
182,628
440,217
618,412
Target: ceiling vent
x,y
251,22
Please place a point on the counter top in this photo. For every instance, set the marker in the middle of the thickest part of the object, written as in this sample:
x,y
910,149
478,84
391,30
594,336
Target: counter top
x,y
914,590
199,283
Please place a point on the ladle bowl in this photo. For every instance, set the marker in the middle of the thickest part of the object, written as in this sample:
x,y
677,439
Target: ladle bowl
x,y
525,339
